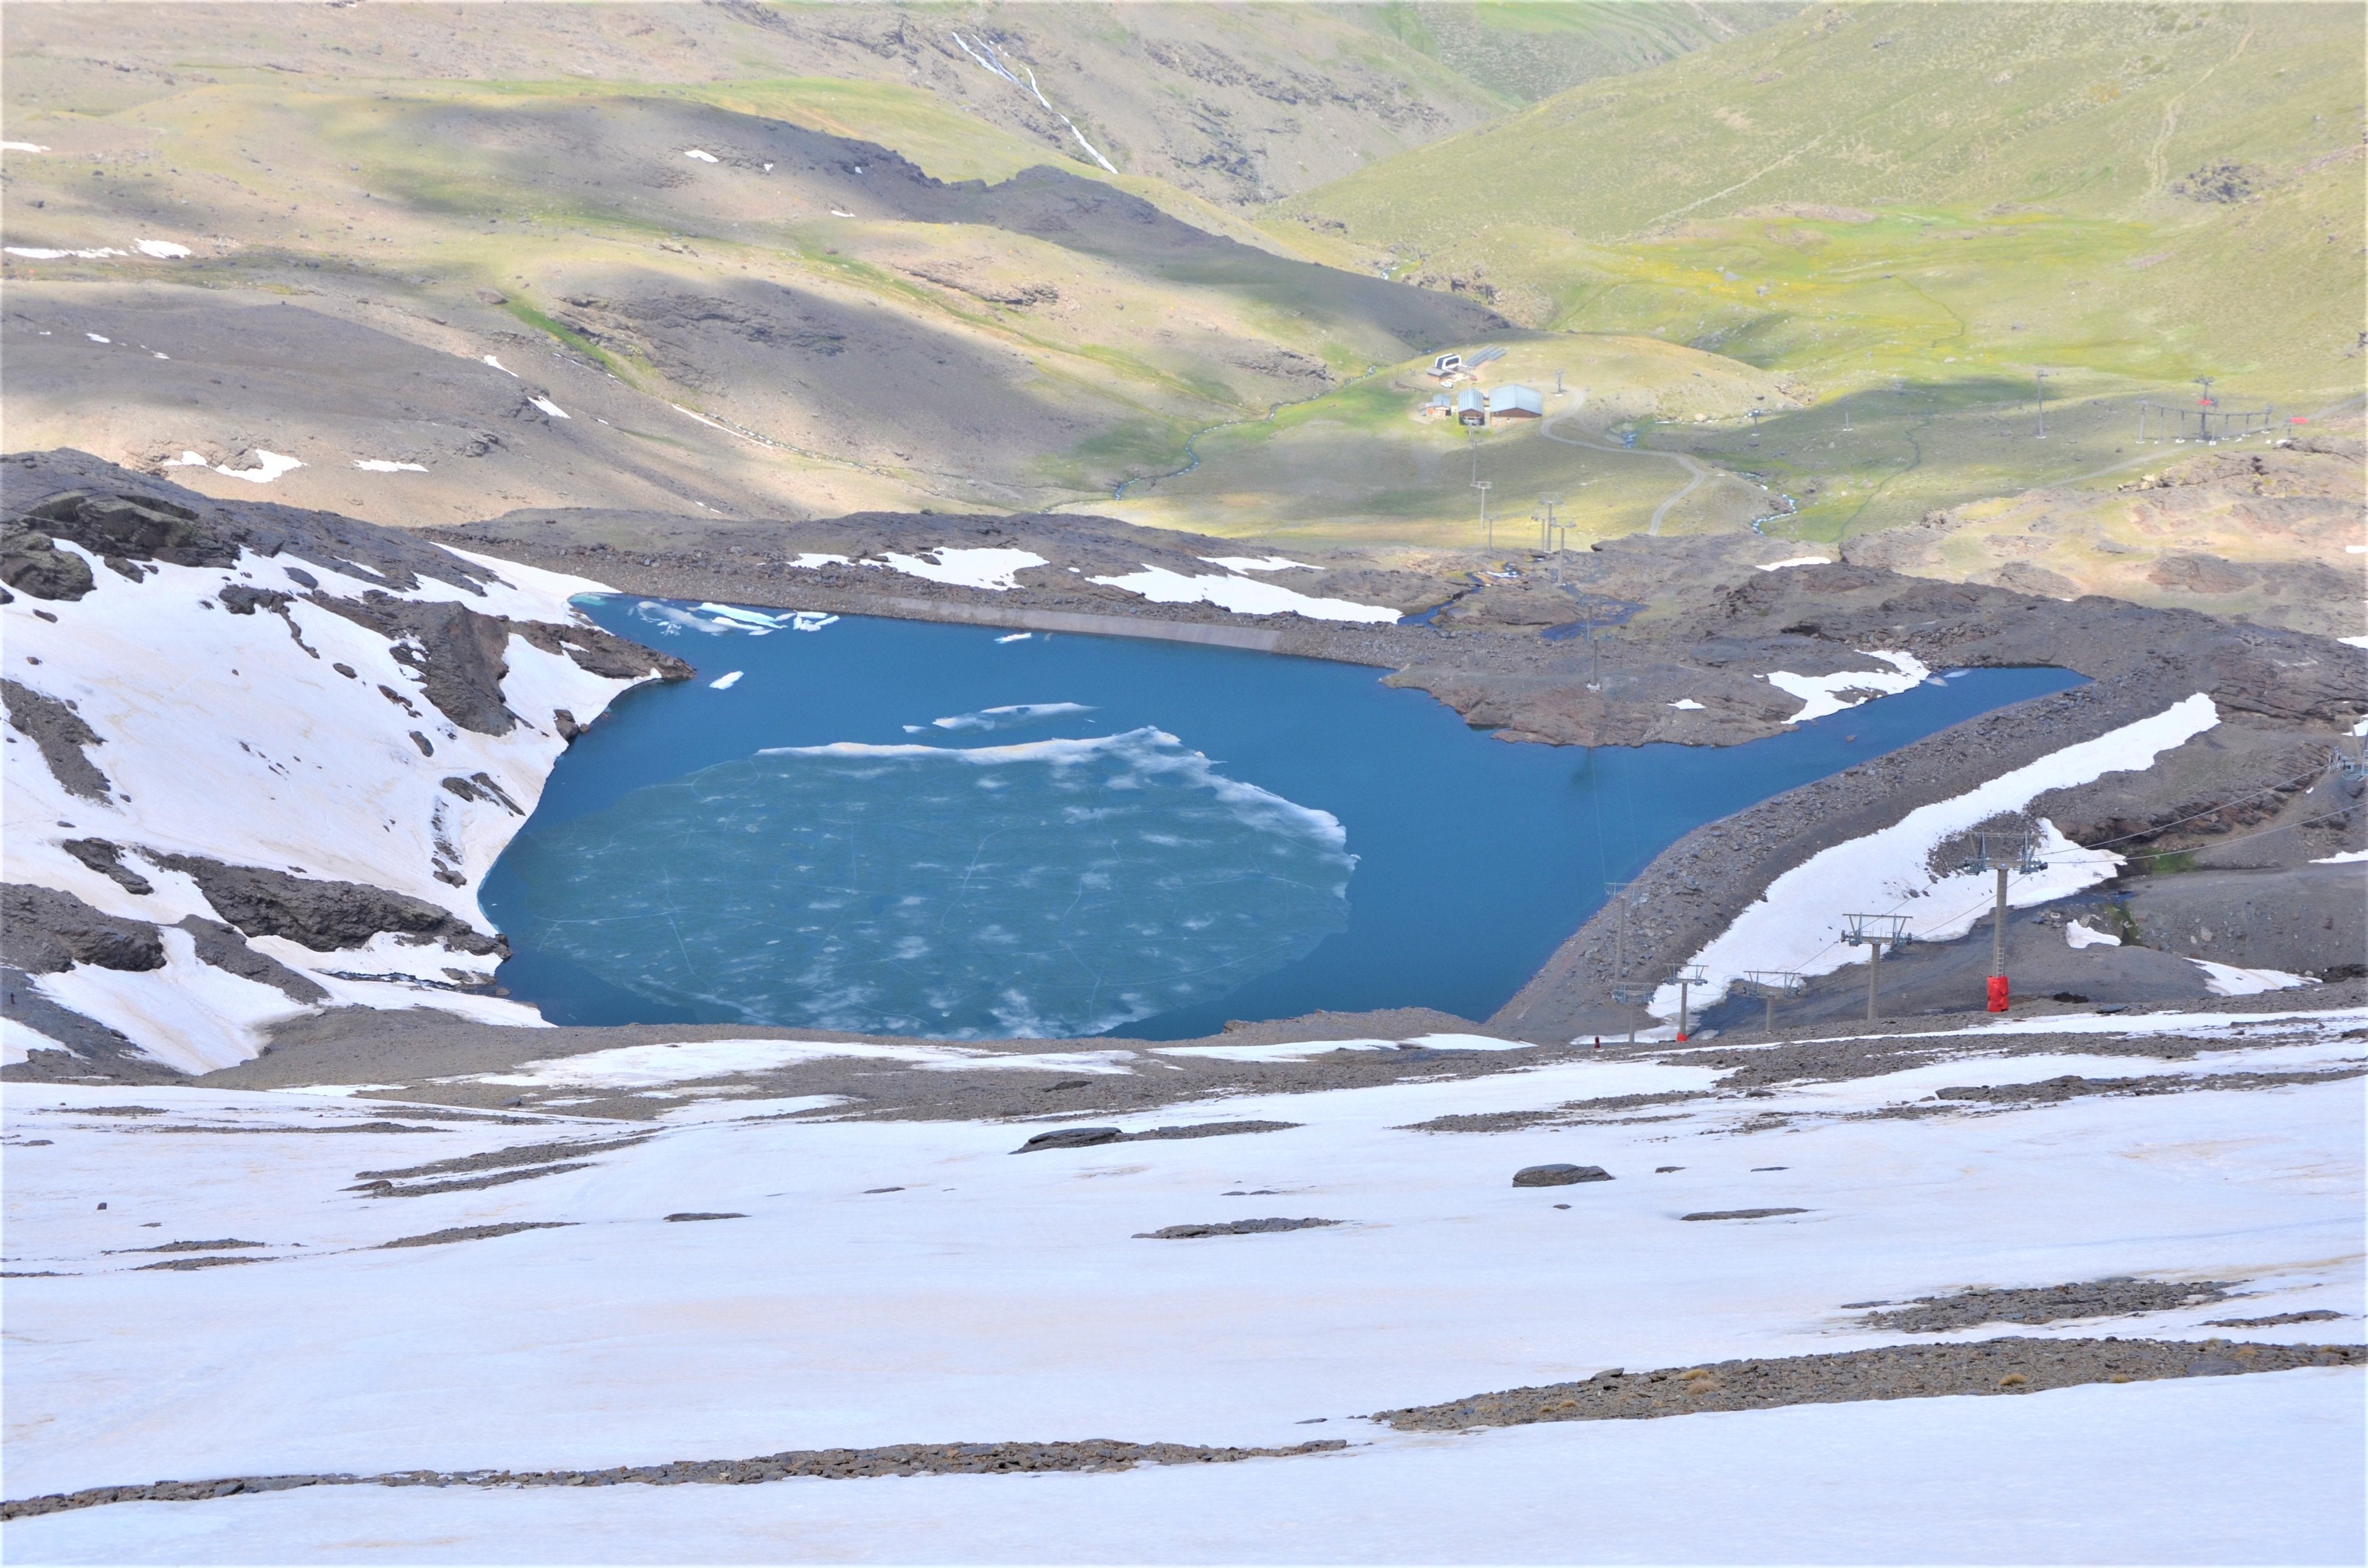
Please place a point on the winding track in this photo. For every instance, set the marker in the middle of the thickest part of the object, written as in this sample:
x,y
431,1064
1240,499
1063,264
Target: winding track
x,y
1696,470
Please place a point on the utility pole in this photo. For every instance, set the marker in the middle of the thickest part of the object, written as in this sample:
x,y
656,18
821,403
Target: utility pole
x,y
1685,980
1773,983
1621,895
2011,853
1755,425
1557,383
1482,486
1875,932
2039,379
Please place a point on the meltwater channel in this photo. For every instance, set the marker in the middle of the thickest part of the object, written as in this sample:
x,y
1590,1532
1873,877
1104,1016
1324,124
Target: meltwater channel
x,y
902,827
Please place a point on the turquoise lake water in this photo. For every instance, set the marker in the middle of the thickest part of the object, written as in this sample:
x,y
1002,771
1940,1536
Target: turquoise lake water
x,y
900,827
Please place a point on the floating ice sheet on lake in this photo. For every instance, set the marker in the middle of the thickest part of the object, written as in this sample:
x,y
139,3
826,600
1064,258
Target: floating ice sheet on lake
x,y
1243,595
1054,888
1009,716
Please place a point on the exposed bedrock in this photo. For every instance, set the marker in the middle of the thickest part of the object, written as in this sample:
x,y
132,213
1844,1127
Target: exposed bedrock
x,y
45,931
88,1049
324,916
59,732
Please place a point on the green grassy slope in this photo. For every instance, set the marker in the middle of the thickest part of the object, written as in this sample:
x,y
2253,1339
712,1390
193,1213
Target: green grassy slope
x,y
1913,208
1528,49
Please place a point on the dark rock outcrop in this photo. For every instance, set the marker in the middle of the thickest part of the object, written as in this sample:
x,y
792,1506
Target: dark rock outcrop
x,y
224,948
325,917
106,860
45,931
32,565
61,733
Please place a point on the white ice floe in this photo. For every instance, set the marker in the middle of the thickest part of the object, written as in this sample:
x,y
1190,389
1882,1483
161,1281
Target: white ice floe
x,y
1798,560
2346,859
497,365
387,465
268,466
725,682
1687,705
36,253
1017,637
702,154
2080,936
1006,717
1821,695
1151,751
2227,980
163,250
811,620
1243,595
1797,923
549,407
226,737
990,569
1258,564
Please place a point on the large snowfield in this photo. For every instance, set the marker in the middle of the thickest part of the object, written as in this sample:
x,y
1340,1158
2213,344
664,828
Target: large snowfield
x,y
895,1282
224,736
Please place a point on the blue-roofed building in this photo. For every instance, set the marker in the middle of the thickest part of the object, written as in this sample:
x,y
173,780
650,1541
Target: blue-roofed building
x,y
1516,402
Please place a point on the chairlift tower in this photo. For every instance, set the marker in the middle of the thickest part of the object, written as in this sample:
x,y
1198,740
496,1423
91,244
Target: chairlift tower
x,y
2003,853
1875,933
1686,977
1622,896
1482,485
2039,379
1773,983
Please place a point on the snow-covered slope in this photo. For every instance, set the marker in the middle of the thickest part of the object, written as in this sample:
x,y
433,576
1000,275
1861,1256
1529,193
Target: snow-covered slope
x,y
267,757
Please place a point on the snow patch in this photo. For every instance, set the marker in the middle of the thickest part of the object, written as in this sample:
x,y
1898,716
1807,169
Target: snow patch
x,y
268,466
1797,923
1821,695
36,253
22,147
497,365
385,465
702,154
1686,705
2080,936
549,407
1017,637
1798,560
1242,595
1258,564
2227,980
2346,859
989,569
163,250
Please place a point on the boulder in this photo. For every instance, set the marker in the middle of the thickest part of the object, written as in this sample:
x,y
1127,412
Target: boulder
x,y
1558,1176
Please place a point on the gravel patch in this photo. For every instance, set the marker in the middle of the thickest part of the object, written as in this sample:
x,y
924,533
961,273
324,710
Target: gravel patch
x,y
2047,1303
1892,1371
1230,1228
1741,1213
2322,1315
907,1458
474,1233
1558,1176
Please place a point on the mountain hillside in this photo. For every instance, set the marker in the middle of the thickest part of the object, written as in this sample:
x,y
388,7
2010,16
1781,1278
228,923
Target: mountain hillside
x,y
1913,209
